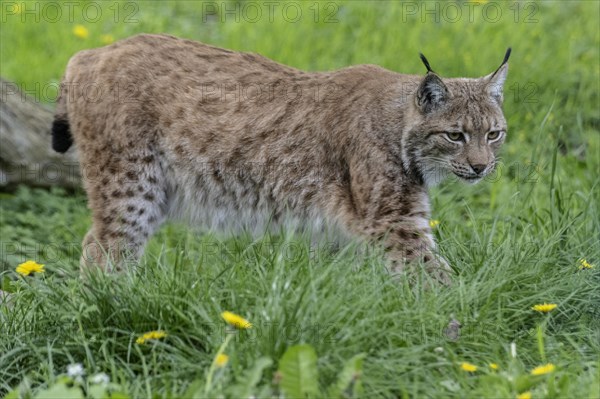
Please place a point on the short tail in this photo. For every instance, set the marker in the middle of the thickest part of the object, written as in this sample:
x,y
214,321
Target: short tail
x,y
62,139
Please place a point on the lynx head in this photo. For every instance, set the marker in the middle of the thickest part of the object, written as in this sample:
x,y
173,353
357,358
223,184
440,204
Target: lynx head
x,y
458,126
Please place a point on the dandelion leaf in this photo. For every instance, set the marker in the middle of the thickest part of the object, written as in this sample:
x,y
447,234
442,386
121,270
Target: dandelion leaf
x,y
298,370
526,382
348,384
195,390
245,386
62,391
8,286
14,394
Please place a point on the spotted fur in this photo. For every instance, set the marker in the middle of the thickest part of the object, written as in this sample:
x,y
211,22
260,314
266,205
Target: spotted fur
x,y
170,128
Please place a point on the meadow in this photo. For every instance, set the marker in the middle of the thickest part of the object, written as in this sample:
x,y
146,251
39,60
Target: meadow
x,y
327,323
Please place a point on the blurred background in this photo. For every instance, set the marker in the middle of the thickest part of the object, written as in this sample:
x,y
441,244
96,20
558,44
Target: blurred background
x,y
551,96
516,239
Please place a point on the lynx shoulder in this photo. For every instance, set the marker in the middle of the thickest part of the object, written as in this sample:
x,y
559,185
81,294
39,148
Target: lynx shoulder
x,y
172,128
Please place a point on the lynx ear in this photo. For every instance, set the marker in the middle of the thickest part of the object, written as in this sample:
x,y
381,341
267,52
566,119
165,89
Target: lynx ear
x,y
432,93
495,82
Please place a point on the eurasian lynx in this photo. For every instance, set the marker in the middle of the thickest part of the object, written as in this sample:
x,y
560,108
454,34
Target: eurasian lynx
x,y
168,128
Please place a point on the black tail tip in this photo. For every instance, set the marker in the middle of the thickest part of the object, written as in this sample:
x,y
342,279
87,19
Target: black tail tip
x,y
61,136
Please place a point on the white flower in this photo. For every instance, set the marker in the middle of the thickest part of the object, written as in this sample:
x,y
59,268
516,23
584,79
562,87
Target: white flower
x,y
75,370
100,378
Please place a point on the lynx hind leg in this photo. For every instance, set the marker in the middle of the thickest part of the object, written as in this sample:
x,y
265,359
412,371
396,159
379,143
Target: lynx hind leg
x,y
128,199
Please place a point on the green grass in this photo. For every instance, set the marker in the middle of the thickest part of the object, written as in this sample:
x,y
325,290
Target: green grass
x,y
514,241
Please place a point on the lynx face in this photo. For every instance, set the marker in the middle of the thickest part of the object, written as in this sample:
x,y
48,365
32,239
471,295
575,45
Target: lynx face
x,y
461,128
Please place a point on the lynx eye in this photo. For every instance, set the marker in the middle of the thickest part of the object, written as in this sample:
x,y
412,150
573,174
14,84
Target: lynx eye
x,y
455,136
495,135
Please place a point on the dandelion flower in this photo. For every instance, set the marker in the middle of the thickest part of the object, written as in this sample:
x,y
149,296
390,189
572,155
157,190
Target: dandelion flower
x,y
584,264
107,39
493,366
545,369
434,223
468,367
235,320
544,307
221,360
75,370
524,395
100,379
29,267
81,31
150,335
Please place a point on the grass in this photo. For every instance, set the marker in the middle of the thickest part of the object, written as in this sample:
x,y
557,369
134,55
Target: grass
x,y
515,241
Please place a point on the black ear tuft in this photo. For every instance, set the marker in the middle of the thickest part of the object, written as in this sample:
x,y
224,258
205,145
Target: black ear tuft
x,y
495,81
432,93
426,63
506,57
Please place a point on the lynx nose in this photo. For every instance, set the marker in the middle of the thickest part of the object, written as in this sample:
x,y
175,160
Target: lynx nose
x,y
478,168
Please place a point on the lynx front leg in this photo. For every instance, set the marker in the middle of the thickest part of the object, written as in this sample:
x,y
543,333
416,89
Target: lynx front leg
x,y
410,240
397,215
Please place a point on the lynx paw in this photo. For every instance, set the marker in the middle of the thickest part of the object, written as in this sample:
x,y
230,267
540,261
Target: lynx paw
x,y
439,269
435,266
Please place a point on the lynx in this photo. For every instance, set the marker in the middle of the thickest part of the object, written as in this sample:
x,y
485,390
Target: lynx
x,y
167,128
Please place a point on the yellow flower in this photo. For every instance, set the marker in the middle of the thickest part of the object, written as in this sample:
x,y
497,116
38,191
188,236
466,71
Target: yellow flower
x,y
545,369
107,39
493,366
468,367
235,320
544,307
150,335
221,360
434,223
583,264
81,31
524,395
29,267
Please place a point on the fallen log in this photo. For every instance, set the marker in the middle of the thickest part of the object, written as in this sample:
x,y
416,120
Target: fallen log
x,y
26,155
